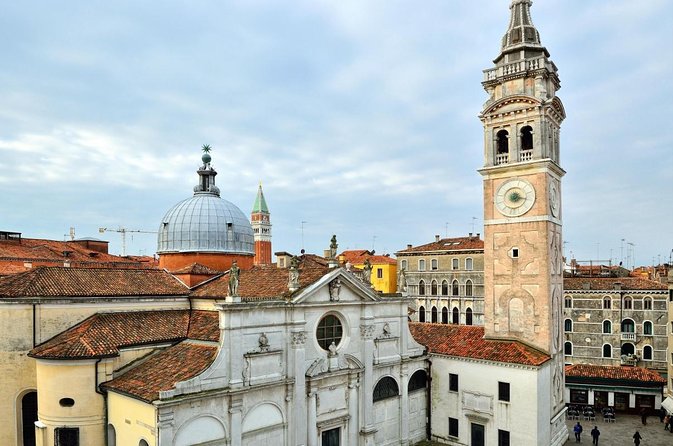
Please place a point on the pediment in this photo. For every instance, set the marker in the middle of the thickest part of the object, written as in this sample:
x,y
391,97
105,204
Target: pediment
x,y
512,103
337,286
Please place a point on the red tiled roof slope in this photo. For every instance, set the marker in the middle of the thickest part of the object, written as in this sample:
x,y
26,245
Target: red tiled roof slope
x,y
467,341
87,282
197,268
448,244
608,283
613,373
262,282
103,334
161,372
358,256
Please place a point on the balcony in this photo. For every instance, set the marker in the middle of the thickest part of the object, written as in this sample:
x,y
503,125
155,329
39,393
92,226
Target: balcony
x,y
501,158
526,155
629,337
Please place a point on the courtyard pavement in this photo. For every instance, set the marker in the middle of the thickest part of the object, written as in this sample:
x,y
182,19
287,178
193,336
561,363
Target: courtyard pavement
x,y
620,433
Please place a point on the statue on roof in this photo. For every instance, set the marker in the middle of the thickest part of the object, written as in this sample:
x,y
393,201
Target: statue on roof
x,y
367,272
234,271
333,247
293,281
402,281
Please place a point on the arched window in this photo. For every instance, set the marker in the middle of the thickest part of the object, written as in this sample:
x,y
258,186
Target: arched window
x,y
421,314
628,303
628,349
445,315
455,264
568,325
143,443
385,388
607,351
28,412
647,303
468,316
607,303
468,288
567,302
647,353
647,328
455,316
628,326
469,264
421,265
434,315
454,288
433,288
607,327
527,138
421,288
418,381
445,288
433,264
502,141
403,264
111,435
568,349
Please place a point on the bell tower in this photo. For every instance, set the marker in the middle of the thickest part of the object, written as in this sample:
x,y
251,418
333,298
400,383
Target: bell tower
x,y
261,227
522,194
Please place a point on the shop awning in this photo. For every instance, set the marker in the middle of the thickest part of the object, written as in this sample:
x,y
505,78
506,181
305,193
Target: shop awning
x,y
668,405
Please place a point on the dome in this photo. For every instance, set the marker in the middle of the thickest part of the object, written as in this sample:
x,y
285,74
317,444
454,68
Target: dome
x,y
205,222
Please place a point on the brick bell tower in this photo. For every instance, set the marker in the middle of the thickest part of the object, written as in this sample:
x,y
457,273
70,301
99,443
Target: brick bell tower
x,y
261,227
523,281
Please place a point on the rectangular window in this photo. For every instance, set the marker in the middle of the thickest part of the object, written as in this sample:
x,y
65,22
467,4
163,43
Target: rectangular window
x,y
503,438
578,396
454,264
453,382
433,264
331,437
421,265
66,436
468,264
379,273
403,264
453,427
503,391
670,295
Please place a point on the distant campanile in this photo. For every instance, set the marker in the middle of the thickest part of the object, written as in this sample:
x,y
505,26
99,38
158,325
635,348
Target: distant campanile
x,y
261,227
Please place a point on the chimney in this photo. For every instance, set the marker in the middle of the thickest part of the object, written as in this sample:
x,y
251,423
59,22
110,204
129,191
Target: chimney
x,y
618,286
436,238
408,246
470,235
478,235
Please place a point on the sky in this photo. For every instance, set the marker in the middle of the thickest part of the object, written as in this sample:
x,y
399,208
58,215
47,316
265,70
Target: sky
x,y
359,117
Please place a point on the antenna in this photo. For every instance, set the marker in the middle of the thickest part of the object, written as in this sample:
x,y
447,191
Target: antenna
x,y
123,232
373,242
302,234
473,219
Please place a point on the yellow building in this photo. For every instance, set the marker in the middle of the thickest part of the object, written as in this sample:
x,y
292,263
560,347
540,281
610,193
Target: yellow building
x,y
384,268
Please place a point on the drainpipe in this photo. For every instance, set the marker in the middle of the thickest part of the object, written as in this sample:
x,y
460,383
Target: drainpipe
x,y
428,400
34,328
104,394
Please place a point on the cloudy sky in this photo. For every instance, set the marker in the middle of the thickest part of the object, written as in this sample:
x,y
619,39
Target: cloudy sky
x,y
358,116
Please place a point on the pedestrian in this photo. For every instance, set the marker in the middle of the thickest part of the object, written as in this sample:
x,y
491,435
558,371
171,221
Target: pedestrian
x,y
578,430
643,416
595,433
667,422
662,414
637,438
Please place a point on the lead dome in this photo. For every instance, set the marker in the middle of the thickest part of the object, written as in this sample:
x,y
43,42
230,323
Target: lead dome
x,y
205,222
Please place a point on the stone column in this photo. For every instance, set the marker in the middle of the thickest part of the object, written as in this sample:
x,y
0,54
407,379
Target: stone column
x,y
236,420
404,405
367,336
354,421
298,341
312,430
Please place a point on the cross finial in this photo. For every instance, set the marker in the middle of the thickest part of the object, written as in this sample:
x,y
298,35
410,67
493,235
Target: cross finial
x,y
205,148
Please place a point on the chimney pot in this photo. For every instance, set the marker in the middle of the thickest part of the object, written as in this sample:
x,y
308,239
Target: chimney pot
x,y
408,246
436,238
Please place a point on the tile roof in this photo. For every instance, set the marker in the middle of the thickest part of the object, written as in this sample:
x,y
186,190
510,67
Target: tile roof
x,y
52,281
162,371
585,373
358,256
467,341
447,244
262,282
103,334
197,268
608,283
51,252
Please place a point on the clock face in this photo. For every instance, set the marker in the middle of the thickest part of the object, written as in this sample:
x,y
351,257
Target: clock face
x,y
514,198
554,201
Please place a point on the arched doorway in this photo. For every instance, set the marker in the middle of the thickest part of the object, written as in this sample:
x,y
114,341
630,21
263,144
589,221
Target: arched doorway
x,y
628,349
28,417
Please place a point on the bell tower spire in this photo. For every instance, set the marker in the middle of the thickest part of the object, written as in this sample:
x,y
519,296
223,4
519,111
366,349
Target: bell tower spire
x,y
523,282
261,227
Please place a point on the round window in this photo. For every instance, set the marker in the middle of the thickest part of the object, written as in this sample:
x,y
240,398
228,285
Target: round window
x,y
66,402
329,331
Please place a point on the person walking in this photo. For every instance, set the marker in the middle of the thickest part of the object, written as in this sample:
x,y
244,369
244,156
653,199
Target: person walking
x,y
667,422
637,438
595,433
578,430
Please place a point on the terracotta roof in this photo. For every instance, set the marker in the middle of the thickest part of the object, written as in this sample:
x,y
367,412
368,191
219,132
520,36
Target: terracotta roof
x,y
608,283
467,341
51,253
197,268
448,244
103,334
637,376
91,282
262,282
161,372
358,256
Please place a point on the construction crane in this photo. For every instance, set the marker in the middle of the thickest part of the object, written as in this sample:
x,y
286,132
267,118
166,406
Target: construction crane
x,y
123,232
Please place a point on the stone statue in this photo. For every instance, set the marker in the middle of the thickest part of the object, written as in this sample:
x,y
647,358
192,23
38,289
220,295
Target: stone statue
x,y
333,247
402,281
293,282
334,289
367,272
233,279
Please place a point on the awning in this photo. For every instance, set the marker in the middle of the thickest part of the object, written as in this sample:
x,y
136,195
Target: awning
x,y
668,405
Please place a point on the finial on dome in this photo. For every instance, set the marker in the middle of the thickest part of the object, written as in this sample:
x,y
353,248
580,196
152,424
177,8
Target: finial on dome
x,y
206,154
